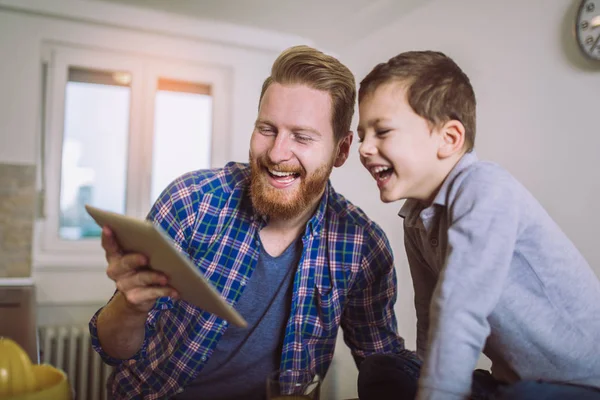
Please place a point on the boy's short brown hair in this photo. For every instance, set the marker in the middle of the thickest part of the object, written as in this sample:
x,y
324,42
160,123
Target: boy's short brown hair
x,y
308,66
437,89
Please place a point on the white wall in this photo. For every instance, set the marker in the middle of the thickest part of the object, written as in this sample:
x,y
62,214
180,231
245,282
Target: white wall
x,y
71,295
538,111
21,37
246,53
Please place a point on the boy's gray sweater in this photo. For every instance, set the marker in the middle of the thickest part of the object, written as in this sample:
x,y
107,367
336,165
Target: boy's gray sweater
x,y
491,268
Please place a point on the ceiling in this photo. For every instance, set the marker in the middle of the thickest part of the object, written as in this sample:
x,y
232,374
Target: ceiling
x,y
330,24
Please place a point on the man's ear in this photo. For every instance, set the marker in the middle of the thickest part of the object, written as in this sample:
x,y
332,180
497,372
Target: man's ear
x,y
343,149
452,135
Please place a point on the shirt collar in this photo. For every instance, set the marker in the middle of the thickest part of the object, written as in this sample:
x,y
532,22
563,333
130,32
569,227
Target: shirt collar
x,y
316,222
442,195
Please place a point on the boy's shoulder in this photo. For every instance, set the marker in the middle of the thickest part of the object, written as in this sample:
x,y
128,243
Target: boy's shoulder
x,y
482,182
470,180
478,175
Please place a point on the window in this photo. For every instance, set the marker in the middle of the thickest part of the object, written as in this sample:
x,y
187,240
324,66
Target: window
x,y
117,130
182,125
96,124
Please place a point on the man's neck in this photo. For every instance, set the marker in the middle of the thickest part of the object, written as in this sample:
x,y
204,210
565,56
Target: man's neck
x,y
279,233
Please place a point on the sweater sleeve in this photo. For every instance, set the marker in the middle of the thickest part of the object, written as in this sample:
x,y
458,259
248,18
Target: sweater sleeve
x,y
483,226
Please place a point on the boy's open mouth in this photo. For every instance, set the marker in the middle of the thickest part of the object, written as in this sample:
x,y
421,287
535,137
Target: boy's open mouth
x,y
381,173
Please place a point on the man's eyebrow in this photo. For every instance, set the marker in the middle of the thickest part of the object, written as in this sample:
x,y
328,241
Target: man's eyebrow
x,y
263,121
296,128
306,129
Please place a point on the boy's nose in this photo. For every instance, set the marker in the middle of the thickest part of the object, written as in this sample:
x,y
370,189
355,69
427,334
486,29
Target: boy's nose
x,y
281,150
366,148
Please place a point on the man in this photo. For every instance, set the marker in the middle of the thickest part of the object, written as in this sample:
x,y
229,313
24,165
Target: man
x,y
291,255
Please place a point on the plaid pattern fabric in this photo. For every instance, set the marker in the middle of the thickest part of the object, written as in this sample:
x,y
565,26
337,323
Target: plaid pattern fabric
x,y
345,278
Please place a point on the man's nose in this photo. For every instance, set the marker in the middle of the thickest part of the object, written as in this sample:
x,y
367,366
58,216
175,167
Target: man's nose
x,y
281,150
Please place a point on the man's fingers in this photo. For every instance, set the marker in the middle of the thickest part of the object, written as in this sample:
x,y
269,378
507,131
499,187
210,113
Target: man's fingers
x,y
109,244
133,261
143,295
141,279
125,265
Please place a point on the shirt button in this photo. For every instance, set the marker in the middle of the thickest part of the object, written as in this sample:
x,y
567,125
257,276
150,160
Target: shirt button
x,y
434,242
243,283
203,358
180,390
224,323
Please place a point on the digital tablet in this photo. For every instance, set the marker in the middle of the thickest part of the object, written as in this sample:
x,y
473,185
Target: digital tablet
x,y
143,237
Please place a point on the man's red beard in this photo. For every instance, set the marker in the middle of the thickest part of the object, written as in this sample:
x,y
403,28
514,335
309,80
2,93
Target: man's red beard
x,y
285,203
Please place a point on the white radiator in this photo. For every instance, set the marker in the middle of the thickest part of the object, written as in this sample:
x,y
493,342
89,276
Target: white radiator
x,y
69,348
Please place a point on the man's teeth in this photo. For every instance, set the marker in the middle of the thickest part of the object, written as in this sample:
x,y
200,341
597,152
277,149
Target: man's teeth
x,y
282,174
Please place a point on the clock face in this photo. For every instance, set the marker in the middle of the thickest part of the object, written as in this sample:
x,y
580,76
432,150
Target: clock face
x,y
588,28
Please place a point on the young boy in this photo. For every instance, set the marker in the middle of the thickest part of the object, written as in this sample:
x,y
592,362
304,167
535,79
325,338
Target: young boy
x,y
491,270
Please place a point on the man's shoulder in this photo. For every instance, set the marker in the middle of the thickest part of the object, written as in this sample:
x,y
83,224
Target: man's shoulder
x,y
195,189
215,180
344,214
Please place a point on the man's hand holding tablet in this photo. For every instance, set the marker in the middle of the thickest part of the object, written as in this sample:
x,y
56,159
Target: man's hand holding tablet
x,y
145,265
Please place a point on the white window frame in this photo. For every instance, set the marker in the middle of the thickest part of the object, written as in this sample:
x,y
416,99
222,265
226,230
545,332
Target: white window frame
x,y
217,80
52,251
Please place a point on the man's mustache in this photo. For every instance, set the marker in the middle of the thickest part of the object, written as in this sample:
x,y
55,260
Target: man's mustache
x,y
281,167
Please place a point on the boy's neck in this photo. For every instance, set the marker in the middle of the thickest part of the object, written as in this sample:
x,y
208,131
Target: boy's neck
x,y
441,174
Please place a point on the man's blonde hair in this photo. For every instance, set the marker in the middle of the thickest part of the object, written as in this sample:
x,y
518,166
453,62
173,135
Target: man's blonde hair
x,y
305,65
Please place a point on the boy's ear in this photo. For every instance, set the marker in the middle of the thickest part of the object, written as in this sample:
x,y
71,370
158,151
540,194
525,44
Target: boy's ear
x,y
452,135
343,149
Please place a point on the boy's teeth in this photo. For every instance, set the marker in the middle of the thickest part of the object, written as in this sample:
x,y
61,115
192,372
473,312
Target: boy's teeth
x,y
376,171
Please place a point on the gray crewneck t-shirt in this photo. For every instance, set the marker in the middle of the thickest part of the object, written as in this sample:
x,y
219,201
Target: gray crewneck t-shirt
x,y
243,358
492,271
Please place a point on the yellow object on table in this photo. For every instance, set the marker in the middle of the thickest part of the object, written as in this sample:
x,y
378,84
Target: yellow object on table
x,y
21,380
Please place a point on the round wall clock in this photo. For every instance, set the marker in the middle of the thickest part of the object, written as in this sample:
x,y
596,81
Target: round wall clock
x,y
587,28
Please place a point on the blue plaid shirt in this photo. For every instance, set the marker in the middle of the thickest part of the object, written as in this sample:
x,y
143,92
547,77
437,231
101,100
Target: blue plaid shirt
x,y
345,278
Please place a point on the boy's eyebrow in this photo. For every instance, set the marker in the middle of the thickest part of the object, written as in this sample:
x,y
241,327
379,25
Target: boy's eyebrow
x,y
377,121
371,122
